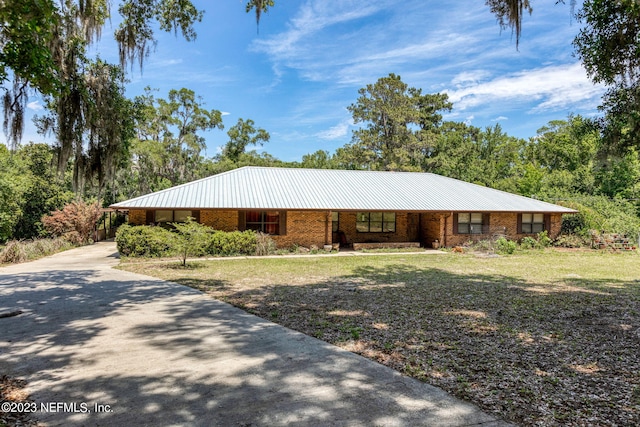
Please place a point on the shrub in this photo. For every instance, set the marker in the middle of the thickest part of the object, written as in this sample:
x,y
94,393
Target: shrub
x,y
265,244
505,247
482,246
20,251
75,222
602,214
543,240
191,238
528,242
145,241
224,243
570,241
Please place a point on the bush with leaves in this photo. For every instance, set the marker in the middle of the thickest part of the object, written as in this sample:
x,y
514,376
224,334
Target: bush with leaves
x,y
76,222
528,242
543,240
145,241
222,243
191,239
505,247
601,214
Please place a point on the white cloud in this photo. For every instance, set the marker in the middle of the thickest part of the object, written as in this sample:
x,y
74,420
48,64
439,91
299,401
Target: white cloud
x,y
549,88
224,113
500,119
338,131
35,106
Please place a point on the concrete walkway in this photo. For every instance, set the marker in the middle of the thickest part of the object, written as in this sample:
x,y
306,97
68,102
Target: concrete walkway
x,y
156,353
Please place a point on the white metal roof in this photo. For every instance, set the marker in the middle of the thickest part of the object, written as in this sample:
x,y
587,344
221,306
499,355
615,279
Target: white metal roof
x,y
325,189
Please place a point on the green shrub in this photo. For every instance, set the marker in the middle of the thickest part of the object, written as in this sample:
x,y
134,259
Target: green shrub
x,y
602,214
543,240
145,241
151,241
505,247
570,241
222,243
528,242
192,239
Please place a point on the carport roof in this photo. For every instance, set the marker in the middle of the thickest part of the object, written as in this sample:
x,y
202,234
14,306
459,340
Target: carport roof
x,y
266,188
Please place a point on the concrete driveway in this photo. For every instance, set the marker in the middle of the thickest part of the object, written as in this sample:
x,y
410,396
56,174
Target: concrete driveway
x,y
105,347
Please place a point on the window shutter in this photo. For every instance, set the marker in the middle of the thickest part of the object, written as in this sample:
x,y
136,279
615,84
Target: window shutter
x,y
547,222
485,223
151,217
196,216
242,221
455,223
283,222
519,223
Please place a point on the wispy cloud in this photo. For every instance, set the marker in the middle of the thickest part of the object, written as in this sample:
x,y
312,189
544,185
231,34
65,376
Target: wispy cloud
x,y
35,106
336,132
550,88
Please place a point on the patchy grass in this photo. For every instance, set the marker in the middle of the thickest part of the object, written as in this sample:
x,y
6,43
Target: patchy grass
x,y
17,251
542,338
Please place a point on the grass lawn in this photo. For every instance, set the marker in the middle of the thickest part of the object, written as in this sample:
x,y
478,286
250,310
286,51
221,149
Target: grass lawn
x,y
539,338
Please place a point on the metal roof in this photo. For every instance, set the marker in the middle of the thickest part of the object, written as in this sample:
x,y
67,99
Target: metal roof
x,y
325,189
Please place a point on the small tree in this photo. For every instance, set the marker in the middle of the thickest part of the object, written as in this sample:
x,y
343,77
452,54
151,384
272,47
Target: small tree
x,y
191,240
74,223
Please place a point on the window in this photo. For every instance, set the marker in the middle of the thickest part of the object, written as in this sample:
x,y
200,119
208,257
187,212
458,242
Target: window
x,y
163,216
470,223
267,222
335,222
376,222
532,223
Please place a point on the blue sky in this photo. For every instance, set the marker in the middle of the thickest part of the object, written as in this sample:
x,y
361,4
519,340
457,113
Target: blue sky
x,y
297,75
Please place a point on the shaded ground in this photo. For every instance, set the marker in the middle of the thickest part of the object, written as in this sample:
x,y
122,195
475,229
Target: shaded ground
x,y
135,350
545,338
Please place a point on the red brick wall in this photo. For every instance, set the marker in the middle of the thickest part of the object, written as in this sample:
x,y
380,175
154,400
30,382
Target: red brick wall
x,y
499,224
348,226
305,228
309,228
220,219
432,228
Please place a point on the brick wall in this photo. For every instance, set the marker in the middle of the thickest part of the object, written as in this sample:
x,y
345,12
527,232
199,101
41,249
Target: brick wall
x,y
499,224
223,220
305,228
137,217
348,226
432,228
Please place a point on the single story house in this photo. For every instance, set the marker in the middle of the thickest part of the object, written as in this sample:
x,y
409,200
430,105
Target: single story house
x,y
318,207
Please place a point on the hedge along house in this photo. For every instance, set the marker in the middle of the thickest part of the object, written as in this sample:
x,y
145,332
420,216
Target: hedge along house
x,y
318,207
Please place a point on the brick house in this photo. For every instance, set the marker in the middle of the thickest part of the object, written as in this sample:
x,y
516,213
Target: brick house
x,y
317,207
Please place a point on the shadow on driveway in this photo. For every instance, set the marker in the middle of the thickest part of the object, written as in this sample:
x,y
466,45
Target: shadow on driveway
x,y
162,354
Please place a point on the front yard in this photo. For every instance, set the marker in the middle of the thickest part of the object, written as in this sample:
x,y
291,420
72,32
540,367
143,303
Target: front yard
x,y
540,338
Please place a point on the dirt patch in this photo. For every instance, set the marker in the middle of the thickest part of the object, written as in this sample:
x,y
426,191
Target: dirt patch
x,y
13,392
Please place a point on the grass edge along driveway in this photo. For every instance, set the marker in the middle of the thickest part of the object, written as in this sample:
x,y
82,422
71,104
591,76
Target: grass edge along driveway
x,y
543,337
